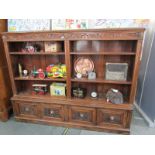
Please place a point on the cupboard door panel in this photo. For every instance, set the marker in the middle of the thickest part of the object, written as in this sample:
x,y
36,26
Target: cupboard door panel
x,y
53,112
82,115
27,109
106,117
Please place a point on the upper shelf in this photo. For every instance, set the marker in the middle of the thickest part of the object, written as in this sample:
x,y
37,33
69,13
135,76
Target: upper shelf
x,y
38,79
100,80
103,53
38,53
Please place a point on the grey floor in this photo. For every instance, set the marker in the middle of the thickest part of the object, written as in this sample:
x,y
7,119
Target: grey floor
x,y
11,127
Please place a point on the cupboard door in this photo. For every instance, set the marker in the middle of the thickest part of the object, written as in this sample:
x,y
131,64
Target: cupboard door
x,y
106,117
82,115
54,112
28,109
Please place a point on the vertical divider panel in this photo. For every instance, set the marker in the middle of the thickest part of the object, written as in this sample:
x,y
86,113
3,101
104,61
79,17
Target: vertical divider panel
x,y
68,65
9,63
135,72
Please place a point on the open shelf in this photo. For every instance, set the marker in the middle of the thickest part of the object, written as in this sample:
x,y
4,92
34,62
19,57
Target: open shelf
x,y
28,94
100,80
102,89
98,100
38,79
37,53
102,53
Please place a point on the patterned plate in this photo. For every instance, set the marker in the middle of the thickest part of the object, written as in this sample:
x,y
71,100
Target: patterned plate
x,y
83,65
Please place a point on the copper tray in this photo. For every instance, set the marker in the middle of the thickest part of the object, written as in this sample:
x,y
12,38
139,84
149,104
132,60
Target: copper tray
x,y
83,65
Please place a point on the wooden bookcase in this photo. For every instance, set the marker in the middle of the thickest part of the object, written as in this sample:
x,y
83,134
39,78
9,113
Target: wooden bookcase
x,y
101,46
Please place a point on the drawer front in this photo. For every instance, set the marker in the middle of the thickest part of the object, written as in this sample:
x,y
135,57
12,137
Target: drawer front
x,y
27,109
82,115
106,117
55,112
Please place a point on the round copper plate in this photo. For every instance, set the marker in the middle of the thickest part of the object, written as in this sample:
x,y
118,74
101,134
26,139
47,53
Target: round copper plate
x,y
83,65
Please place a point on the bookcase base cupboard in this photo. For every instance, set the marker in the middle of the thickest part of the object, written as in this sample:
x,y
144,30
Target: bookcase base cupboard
x,y
61,77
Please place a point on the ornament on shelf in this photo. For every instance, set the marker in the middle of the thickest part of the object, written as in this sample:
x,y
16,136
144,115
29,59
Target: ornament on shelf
x,y
40,89
56,71
94,94
20,70
31,48
116,71
38,73
79,92
25,73
79,75
53,46
114,96
91,75
84,66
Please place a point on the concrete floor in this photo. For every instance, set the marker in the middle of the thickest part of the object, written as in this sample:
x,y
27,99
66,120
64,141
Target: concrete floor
x,y
11,127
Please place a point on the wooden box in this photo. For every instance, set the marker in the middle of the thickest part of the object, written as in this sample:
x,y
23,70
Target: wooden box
x,y
53,46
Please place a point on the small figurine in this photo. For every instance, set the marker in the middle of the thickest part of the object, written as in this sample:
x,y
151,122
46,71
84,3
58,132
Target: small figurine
x,y
25,73
91,75
79,75
40,89
38,73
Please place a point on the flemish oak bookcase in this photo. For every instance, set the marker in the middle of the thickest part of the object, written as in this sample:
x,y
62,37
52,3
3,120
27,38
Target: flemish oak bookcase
x,y
101,46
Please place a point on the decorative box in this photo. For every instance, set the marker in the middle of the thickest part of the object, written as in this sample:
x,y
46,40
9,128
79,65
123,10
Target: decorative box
x,y
53,46
57,89
116,71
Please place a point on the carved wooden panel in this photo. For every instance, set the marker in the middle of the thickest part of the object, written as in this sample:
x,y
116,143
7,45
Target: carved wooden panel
x,y
104,36
28,109
36,36
82,115
75,35
107,117
53,112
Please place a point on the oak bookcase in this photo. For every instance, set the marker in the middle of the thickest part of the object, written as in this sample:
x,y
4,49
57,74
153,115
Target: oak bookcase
x,y
102,45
